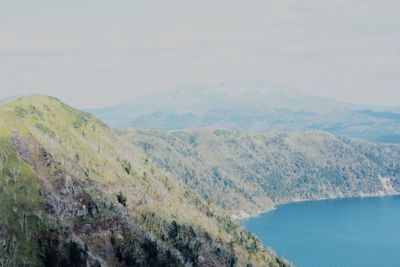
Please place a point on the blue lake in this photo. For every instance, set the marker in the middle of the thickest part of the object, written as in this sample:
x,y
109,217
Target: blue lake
x,y
342,232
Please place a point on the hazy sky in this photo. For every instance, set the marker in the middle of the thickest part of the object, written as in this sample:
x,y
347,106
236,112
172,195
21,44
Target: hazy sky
x,y
96,53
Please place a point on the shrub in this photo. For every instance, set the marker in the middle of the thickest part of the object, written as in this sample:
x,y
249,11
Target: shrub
x,y
77,255
174,230
121,199
80,121
126,165
34,111
20,112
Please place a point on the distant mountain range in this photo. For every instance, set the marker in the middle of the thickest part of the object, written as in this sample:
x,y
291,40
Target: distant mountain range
x,y
254,109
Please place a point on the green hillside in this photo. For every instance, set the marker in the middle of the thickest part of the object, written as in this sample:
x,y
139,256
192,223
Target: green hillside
x,y
73,193
249,173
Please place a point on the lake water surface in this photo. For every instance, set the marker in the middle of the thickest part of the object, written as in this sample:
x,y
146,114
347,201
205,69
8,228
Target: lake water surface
x,y
342,232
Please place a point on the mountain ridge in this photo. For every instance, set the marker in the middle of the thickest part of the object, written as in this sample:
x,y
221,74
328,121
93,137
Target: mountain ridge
x,y
154,198
81,196
254,110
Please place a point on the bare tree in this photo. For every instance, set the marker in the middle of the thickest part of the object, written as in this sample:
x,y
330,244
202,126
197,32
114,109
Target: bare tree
x,y
15,172
3,161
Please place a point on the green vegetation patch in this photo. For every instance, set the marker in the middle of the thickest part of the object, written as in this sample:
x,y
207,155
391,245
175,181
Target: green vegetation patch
x,y
20,112
44,129
221,132
34,111
80,120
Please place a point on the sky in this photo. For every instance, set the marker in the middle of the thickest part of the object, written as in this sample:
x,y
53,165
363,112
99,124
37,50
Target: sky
x,y
99,53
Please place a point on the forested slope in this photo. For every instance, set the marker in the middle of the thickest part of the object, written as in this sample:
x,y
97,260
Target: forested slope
x,y
248,173
74,194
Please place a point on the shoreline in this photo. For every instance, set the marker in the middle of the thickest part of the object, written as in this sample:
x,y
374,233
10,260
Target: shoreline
x,y
247,216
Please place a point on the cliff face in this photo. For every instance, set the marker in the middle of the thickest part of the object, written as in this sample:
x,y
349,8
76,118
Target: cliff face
x,y
249,173
73,193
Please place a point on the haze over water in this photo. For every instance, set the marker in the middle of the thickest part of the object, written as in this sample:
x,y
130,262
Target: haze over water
x,y
343,232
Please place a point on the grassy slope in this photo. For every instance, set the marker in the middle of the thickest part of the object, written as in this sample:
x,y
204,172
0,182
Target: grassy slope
x,y
85,149
245,172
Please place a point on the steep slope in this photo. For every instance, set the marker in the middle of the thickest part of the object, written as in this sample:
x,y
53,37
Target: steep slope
x,y
248,173
75,194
